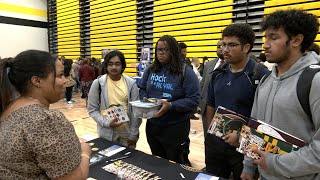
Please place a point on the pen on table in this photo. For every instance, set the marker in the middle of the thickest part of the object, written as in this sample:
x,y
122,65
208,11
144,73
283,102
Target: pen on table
x,y
182,176
127,153
116,159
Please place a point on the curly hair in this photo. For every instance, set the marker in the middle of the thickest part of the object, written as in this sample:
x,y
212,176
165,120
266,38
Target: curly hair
x,y
294,22
242,31
175,62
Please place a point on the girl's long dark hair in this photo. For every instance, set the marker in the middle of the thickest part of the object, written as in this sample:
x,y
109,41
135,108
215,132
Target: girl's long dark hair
x,y
175,63
17,73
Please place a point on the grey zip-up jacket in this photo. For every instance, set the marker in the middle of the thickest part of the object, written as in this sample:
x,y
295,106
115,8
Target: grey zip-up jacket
x,y
276,103
103,125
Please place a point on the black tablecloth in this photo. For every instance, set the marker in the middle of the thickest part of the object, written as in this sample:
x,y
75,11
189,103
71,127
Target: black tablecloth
x,y
163,168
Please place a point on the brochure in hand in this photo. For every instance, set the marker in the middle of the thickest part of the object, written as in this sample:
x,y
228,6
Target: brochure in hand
x,y
253,133
226,121
267,138
115,111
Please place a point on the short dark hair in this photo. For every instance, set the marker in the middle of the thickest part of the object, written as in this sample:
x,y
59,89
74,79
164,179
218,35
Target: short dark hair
x,y
175,65
110,55
17,72
182,45
314,47
294,22
242,31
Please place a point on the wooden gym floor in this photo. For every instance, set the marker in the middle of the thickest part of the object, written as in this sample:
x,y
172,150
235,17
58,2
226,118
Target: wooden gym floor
x,y
85,125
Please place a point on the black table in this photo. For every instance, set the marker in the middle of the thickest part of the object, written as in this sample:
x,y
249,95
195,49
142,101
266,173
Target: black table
x,y
165,169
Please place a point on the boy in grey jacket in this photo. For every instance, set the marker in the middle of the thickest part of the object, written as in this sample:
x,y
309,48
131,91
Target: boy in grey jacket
x,y
116,88
288,34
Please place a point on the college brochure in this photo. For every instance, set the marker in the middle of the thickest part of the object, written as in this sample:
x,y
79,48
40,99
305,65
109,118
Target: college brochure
x,y
226,121
253,133
114,149
115,112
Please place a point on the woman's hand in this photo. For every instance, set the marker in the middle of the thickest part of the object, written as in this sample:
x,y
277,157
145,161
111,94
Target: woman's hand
x,y
85,149
232,139
114,123
165,107
131,142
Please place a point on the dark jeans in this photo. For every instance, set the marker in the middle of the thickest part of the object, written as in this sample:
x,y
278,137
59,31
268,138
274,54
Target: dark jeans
x,y
69,93
221,158
170,142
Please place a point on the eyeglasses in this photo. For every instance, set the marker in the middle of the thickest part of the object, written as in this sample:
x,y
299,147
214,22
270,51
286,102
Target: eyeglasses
x,y
229,46
162,50
110,64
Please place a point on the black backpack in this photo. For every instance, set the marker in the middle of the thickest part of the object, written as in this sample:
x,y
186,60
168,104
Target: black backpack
x,y
304,86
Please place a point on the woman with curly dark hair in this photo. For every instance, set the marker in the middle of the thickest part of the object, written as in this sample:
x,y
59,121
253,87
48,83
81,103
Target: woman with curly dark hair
x,y
177,87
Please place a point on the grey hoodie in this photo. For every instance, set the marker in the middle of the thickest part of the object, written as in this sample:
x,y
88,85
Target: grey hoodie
x,y
103,126
277,104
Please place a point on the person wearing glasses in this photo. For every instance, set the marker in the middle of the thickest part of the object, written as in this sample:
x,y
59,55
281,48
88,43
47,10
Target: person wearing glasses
x,y
177,87
207,74
231,87
114,88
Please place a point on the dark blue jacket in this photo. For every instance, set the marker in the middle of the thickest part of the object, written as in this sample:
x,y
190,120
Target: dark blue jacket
x,y
184,96
234,91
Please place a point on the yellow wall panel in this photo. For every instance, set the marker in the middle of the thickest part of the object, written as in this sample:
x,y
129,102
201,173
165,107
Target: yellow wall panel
x,y
302,6
195,25
284,2
116,18
163,4
114,11
69,46
133,46
67,53
68,28
94,3
76,31
110,43
67,16
113,25
191,32
106,28
168,15
124,33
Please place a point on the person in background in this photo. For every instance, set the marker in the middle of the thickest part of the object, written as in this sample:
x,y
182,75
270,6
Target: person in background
x,y
178,91
95,65
207,74
183,50
86,76
36,142
263,60
314,47
69,74
202,65
115,89
75,68
195,64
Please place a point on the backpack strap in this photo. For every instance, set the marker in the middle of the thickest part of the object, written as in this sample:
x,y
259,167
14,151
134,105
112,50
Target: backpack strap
x,y
99,91
255,75
304,86
181,75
